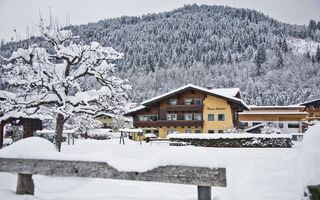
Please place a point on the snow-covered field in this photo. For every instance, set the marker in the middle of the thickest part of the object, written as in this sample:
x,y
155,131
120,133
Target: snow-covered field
x,y
252,173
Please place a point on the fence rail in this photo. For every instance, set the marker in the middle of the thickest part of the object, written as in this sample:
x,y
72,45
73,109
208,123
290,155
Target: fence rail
x,y
202,176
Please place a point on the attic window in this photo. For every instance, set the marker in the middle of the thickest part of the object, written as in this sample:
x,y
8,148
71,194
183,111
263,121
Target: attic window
x,y
173,101
198,101
187,101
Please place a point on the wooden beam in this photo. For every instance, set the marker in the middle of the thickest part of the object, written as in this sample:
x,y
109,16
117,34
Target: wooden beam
x,y
204,192
203,176
25,184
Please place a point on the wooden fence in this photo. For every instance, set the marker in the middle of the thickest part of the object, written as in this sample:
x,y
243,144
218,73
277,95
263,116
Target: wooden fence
x,y
203,177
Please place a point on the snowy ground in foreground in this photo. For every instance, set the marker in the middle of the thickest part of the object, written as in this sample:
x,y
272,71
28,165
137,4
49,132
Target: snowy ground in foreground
x,y
252,173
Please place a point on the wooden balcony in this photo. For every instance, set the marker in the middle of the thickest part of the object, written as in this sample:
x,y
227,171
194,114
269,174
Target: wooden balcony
x,y
193,107
168,123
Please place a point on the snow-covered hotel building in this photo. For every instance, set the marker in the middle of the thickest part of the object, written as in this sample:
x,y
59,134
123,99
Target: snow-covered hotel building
x,y
289,119
189,109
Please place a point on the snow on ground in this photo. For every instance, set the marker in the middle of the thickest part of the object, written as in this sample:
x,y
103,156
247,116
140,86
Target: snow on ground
x,y
252,173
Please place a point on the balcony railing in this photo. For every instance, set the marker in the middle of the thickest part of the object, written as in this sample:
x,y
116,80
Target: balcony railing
x,y
168,123
193,107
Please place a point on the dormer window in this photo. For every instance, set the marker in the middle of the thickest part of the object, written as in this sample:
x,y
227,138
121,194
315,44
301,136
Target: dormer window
x,y
187,101
173,101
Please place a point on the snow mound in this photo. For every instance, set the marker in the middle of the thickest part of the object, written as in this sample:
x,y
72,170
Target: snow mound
x,y
31,147
310,155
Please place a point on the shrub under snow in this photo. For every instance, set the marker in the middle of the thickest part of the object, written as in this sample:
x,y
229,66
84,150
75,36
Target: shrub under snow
x,y
233,140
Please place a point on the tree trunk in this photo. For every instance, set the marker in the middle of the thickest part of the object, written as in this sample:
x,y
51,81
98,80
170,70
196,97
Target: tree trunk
x,y
59,129
1,133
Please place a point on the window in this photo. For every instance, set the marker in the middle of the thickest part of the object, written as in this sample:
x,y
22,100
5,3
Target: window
x,y
153,117
220,131
221,117
280,125
169,131
293,125
255,123
245,123
187,101
210,117
104,117
111,125
173,101
210,131
197,116
188,131
188,116
171,116
198,101
156,132
104,125
148,132
143,117
197,131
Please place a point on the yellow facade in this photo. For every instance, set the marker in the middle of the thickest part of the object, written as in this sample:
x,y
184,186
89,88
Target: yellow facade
x,y
215,105
211,105
107,122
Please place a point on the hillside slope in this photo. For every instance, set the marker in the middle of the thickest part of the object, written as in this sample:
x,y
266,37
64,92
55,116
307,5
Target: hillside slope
x,y
211,46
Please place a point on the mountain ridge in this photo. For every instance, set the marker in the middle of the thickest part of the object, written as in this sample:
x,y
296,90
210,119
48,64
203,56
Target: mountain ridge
x,y
205,45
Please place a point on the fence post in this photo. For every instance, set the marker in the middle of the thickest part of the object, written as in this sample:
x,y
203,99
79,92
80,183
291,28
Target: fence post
x,y
204,192
25,184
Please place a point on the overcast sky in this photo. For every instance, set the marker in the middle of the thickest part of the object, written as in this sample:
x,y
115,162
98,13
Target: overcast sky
x,y
18,14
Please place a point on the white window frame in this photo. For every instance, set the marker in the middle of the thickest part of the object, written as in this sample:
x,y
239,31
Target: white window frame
x,y
143,116
186,100
172,114
194,101
187,114
172,131
197,130
188,130
194,116
208,117
171,100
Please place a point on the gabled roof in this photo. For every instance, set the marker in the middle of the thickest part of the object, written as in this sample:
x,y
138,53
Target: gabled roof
x,y
231,92
196,88
277,107
309,102
188,87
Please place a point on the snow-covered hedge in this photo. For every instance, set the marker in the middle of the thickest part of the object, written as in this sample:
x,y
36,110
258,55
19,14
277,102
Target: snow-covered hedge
x,y
234,140
102,134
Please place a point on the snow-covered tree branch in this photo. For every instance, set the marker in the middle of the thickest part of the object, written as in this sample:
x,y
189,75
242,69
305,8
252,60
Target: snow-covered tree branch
x,y
52,79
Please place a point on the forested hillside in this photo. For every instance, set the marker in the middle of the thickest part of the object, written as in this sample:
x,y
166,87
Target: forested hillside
x,y
213,46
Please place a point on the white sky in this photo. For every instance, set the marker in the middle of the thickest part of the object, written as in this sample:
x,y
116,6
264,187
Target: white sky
x,y
18,14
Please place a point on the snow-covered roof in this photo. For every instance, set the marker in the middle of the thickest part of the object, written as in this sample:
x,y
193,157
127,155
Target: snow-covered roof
x,y
104,113
112,116
307,102
54,131
254,127
231,92
267,112
135,110
131,130
288,106
190,86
